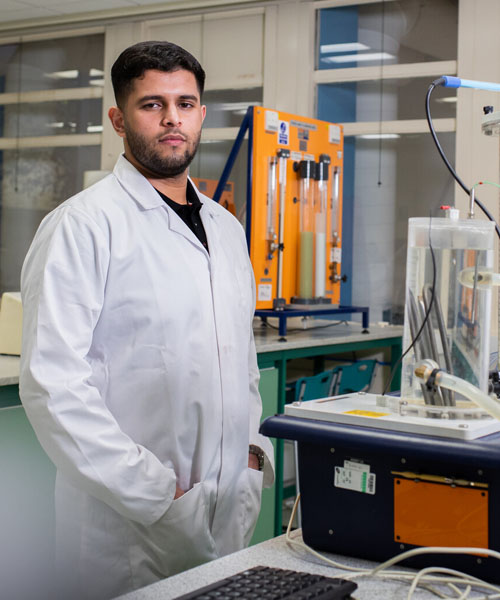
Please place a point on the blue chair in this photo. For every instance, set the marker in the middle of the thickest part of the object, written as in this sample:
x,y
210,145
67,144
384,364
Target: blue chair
x,y
353,377
315,386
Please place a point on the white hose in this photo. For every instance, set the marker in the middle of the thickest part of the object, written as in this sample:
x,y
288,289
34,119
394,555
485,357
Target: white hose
x,y
482,278
488,403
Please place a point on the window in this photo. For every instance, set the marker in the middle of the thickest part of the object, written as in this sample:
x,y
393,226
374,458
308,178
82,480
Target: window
x,y
387,33
374,63
50,134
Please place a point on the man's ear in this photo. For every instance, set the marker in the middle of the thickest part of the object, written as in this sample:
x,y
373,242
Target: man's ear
x,y
116,117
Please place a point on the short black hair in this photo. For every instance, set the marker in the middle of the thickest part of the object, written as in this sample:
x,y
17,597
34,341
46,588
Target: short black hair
x,y
159,56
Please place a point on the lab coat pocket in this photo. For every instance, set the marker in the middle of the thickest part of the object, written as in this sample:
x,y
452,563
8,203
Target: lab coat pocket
x,y
253,498
180,540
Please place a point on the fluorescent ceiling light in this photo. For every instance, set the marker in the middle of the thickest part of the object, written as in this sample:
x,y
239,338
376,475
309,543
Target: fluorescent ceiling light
x,y
347,58
61,124
349,47
379,136
72,74
447,99
98,82
236,106
94,128
96,73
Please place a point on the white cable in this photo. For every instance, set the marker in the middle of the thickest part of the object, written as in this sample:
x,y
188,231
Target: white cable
x,y
304,546
422,573
357,571
423,577
435,550
466,593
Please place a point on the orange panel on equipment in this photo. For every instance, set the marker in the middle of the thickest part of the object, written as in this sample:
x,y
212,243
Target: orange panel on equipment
x,y
296,209
208,187
433,514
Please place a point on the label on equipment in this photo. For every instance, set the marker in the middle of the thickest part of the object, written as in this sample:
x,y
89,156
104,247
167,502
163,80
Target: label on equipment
x,y
336,255
272,121
264,291
357,480
357,466
334,135
284,133
366,413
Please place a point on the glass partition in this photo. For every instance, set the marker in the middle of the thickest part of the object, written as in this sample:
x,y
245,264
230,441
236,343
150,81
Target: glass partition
x,y
386,33
392,180
386,99
226,108
72,62
35,78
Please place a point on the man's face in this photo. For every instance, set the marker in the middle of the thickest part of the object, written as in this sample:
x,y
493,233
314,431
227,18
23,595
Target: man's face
x,y
161,122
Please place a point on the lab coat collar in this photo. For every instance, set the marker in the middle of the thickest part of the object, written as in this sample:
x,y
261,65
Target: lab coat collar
x,y
137,186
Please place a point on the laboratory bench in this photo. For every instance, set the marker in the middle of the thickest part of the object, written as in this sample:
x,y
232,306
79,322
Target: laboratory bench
x,y
274,553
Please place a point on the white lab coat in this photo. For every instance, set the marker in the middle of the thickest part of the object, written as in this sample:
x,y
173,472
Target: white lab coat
x,y
138,369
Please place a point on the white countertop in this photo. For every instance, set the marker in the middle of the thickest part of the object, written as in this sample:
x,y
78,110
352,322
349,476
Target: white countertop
x,y
318,333
9,369
273,553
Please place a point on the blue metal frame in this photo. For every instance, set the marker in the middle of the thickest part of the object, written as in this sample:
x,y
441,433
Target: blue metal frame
x,y
246,125
283,315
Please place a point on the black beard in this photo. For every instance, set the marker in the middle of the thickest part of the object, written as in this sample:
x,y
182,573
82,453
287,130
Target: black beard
x,y
155,164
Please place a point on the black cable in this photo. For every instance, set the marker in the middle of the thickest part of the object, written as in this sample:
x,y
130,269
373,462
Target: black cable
x,y
435,83
381,95
299,329
426,317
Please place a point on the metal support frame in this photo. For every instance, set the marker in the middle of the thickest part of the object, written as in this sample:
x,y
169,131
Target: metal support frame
x,y
283,315
246,125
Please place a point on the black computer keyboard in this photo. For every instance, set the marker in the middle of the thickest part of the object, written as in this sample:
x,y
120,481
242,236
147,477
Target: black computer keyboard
x,y
269,583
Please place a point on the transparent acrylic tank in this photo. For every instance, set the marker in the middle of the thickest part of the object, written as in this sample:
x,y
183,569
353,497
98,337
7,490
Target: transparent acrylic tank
x,y
457,332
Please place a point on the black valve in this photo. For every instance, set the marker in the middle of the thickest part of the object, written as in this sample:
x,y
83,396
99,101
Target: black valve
x,y
494,383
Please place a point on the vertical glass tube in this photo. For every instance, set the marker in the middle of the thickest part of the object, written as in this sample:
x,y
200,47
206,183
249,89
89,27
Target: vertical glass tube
x,y
320,226
306,235
271,235
283,156
335,252
335,205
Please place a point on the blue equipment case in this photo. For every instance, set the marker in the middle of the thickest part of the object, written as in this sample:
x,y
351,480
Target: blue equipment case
x,y
355,523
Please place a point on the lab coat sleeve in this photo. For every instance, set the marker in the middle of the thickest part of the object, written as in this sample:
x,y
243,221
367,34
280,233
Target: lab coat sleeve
x,y
63,284
257,438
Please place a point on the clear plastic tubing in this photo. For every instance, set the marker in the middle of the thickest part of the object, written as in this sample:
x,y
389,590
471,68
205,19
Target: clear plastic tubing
x,y
451,382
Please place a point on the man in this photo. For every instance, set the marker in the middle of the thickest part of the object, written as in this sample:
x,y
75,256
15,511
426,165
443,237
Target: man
x,y
138,367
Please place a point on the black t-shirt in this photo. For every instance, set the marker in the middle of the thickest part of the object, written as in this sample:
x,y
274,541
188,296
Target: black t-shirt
x,y
190,212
